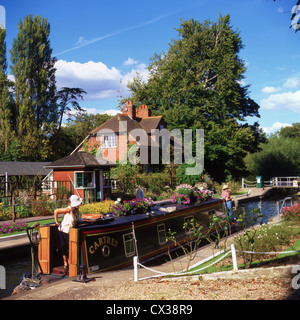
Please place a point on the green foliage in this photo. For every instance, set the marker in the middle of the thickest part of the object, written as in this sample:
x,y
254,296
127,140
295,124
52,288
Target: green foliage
x,y
197,84
126,175
97,207
154,182
34,109
195,236
182,177
280,156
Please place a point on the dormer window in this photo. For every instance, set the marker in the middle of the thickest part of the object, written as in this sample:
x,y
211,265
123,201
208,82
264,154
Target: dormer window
x,y
109,141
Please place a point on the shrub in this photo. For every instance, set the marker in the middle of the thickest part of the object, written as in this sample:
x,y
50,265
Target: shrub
x,y
154,182
97,207
291,213
187,194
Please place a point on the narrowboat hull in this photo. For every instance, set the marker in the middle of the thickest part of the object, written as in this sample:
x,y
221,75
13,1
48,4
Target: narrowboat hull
x,y
111,243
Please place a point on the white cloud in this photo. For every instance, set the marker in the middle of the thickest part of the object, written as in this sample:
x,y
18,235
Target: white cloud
x,y
291,83
112,112
130,62
270,89
275,127
286,100
99,81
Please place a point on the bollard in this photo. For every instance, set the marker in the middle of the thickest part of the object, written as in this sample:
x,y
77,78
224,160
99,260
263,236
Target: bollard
x,y
135,267
83,278
233,254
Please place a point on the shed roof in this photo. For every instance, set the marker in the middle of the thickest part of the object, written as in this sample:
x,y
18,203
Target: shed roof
x,y
16,168
78,160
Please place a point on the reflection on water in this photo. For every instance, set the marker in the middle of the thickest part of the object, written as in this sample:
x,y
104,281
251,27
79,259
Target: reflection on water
x,y
268,208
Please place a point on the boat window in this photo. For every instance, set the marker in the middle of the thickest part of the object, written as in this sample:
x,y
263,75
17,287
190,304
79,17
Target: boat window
x,y
128,241
210,213
161,232
188,223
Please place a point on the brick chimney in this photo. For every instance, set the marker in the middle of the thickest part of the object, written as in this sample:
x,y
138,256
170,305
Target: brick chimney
x,y
129,110
143,112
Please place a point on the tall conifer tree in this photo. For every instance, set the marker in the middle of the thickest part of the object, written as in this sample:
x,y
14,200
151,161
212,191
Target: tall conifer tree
x,y
35,88
6,134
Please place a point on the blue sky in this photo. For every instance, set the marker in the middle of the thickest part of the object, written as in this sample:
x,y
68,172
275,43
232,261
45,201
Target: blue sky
x,y
98,43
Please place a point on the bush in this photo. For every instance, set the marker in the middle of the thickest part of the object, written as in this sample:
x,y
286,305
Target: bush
x,y
187,194
291,213
97,207
265,238
154,182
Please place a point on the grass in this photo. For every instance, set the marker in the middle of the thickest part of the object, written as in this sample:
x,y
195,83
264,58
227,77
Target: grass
x,y
281,259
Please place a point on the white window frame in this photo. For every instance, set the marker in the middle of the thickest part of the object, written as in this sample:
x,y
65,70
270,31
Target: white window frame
x,y
132,245
161,233
109,140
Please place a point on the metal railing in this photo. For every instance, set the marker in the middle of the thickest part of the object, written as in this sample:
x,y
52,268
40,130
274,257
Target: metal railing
x,y
273,182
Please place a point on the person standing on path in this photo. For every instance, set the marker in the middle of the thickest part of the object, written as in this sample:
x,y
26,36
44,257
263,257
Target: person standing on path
x,y
70,220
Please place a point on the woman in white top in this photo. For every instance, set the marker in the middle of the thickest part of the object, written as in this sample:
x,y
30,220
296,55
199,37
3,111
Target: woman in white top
x,y
70,220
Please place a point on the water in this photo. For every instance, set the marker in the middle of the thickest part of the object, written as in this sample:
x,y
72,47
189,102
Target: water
x,y
268,208
14,270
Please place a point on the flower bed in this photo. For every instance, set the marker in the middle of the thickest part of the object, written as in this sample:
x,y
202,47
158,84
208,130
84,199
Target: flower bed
x,y
186,194
11,227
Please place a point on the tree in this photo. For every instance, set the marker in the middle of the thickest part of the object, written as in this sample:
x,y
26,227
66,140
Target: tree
x,y
75,131
198,84
5,99
35,111
67,96
280,156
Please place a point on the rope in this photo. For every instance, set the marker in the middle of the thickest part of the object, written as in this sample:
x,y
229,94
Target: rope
x,y
278,252
180,272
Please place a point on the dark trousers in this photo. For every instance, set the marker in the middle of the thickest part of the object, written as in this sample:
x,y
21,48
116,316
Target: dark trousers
x,y
64,242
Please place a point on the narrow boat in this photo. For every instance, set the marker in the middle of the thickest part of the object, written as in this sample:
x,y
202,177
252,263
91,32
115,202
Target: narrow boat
x,y
111,243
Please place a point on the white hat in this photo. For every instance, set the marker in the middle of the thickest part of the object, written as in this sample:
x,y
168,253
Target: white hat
x,y
75,200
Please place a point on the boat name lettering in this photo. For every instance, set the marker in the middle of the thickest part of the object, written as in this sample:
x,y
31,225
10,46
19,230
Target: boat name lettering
x,y
105,240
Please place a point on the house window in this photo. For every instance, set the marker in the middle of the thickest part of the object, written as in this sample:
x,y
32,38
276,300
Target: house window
x,y
129,244
109,141
161,232
84,179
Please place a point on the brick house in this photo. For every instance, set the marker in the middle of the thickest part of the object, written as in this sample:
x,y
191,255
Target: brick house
x,y
88,173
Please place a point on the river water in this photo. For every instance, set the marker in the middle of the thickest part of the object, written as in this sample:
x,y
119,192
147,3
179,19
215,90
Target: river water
x,y
16,268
